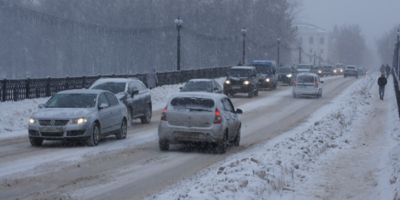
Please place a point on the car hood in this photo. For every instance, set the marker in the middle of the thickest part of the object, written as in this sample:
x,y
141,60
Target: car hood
x,y
238,78
283,73
63,113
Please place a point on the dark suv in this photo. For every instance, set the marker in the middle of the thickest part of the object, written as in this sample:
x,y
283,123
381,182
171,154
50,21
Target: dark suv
x,y
242,79
328,70
132,92
286,75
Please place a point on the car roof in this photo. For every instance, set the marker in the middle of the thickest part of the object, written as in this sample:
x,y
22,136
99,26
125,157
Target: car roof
x,y
214,96
306,74
263,62
82,91
200,79
116,80
243,67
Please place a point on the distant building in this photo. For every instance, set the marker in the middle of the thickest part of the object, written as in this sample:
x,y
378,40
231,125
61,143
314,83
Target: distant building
x,y
313,41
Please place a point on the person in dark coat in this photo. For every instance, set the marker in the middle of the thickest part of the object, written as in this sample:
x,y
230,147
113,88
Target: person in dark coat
x,y
383,69
387,71
382,81
152,79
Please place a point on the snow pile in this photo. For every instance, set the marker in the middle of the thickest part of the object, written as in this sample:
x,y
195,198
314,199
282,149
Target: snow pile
x,y
275,166
14,116
395,152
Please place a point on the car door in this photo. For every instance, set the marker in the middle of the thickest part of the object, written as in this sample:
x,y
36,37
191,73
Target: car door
x,y
143,95
230,117
134,100
104,114
115,117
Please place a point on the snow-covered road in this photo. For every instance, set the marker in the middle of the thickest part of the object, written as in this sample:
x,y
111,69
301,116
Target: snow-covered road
x,y
291,149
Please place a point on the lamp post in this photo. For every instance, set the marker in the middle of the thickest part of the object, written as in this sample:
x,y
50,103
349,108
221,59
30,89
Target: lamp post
x,y
178,23
299,52
244,45
279,42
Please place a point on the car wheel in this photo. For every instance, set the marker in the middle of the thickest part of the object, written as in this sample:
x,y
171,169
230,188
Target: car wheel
x,y
237,139
256,93
122,131
147,117
94,138
163,144
344,76
320,94
36,141
251,94
220,148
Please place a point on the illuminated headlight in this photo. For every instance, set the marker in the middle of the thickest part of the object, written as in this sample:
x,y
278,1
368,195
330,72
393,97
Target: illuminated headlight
x,y
32,121
341,70
267,80
319,71
78,121
334,71
227,82
289,75
246,82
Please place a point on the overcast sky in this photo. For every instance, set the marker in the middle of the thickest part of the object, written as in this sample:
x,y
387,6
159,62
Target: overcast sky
x,y
375,17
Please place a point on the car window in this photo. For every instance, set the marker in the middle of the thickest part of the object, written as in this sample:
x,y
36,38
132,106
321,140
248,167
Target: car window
x,y
305,79
111,86
143,86
198,86
139,86
112,99
103,99
217,85
227,105
132,86
72,101
192,103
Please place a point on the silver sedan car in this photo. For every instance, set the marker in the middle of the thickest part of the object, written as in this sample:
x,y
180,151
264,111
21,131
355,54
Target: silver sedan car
x,y
78,115
200,117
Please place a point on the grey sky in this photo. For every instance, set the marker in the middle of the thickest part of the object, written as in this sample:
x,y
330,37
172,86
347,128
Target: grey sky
x,y
375,17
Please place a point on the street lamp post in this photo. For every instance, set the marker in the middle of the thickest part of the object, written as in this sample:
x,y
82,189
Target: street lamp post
x,y
279,42
244,45
178,23
299,53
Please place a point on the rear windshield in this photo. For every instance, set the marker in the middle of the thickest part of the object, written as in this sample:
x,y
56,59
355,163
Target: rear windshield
x,y
305,79
112,87
198,86
192,103
352,68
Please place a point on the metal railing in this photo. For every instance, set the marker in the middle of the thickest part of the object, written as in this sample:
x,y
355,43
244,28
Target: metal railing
x,y
19,89
395,71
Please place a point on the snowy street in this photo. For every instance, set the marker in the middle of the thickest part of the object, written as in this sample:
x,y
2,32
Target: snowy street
x,y
340,146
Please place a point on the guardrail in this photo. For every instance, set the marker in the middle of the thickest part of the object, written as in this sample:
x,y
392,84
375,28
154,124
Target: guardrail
x,y
19,89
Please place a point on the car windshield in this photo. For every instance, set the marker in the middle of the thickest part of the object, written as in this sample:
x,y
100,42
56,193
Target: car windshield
x,y
197,86
327,67
351,68
72,101
264,69
305,79
192,103
284,70
113,87
303,67
239,72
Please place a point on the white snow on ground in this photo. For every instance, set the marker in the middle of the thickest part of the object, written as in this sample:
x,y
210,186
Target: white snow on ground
x,y
270,170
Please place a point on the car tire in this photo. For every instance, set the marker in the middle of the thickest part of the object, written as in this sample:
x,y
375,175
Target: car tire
x,y
147,116
256,93
236,142
251,94
220,147
345,76
164,145
94,138
122,131
36,141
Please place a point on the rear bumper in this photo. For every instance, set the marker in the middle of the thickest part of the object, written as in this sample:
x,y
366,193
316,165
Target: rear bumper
x,y
181,134
305,91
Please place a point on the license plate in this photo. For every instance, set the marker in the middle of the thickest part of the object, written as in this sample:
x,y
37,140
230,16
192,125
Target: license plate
x,y
51,129
235,87
187,135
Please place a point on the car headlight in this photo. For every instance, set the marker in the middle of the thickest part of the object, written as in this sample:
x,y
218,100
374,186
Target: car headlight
x,y
246,82
334,71
227,82
319,71
341,70
267,80
289,75
78,121
32,121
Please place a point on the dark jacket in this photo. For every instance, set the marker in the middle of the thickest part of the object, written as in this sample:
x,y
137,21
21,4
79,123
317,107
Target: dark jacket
x,y
382,81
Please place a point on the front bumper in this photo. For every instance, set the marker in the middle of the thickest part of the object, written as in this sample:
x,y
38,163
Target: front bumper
x,y
60,132
234,88
284,78
182,134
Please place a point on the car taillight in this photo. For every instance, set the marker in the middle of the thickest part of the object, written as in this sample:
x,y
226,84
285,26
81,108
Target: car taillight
x,y
316,84
164,114
217,118
294,84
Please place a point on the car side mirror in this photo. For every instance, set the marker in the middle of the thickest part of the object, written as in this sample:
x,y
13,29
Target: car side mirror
x,y
239,111
41,105
322,81
103,105
134,92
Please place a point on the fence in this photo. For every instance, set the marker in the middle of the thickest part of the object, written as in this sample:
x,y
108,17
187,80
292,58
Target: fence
x,y
395,70
19,89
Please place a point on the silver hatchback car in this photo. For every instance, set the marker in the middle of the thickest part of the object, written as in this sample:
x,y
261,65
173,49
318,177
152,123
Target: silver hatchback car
x,y
199,117
78,115
307,84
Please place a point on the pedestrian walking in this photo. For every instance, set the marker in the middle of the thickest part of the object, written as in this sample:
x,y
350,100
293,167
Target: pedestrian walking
x,y
152,79
387,71
383,69
382,81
